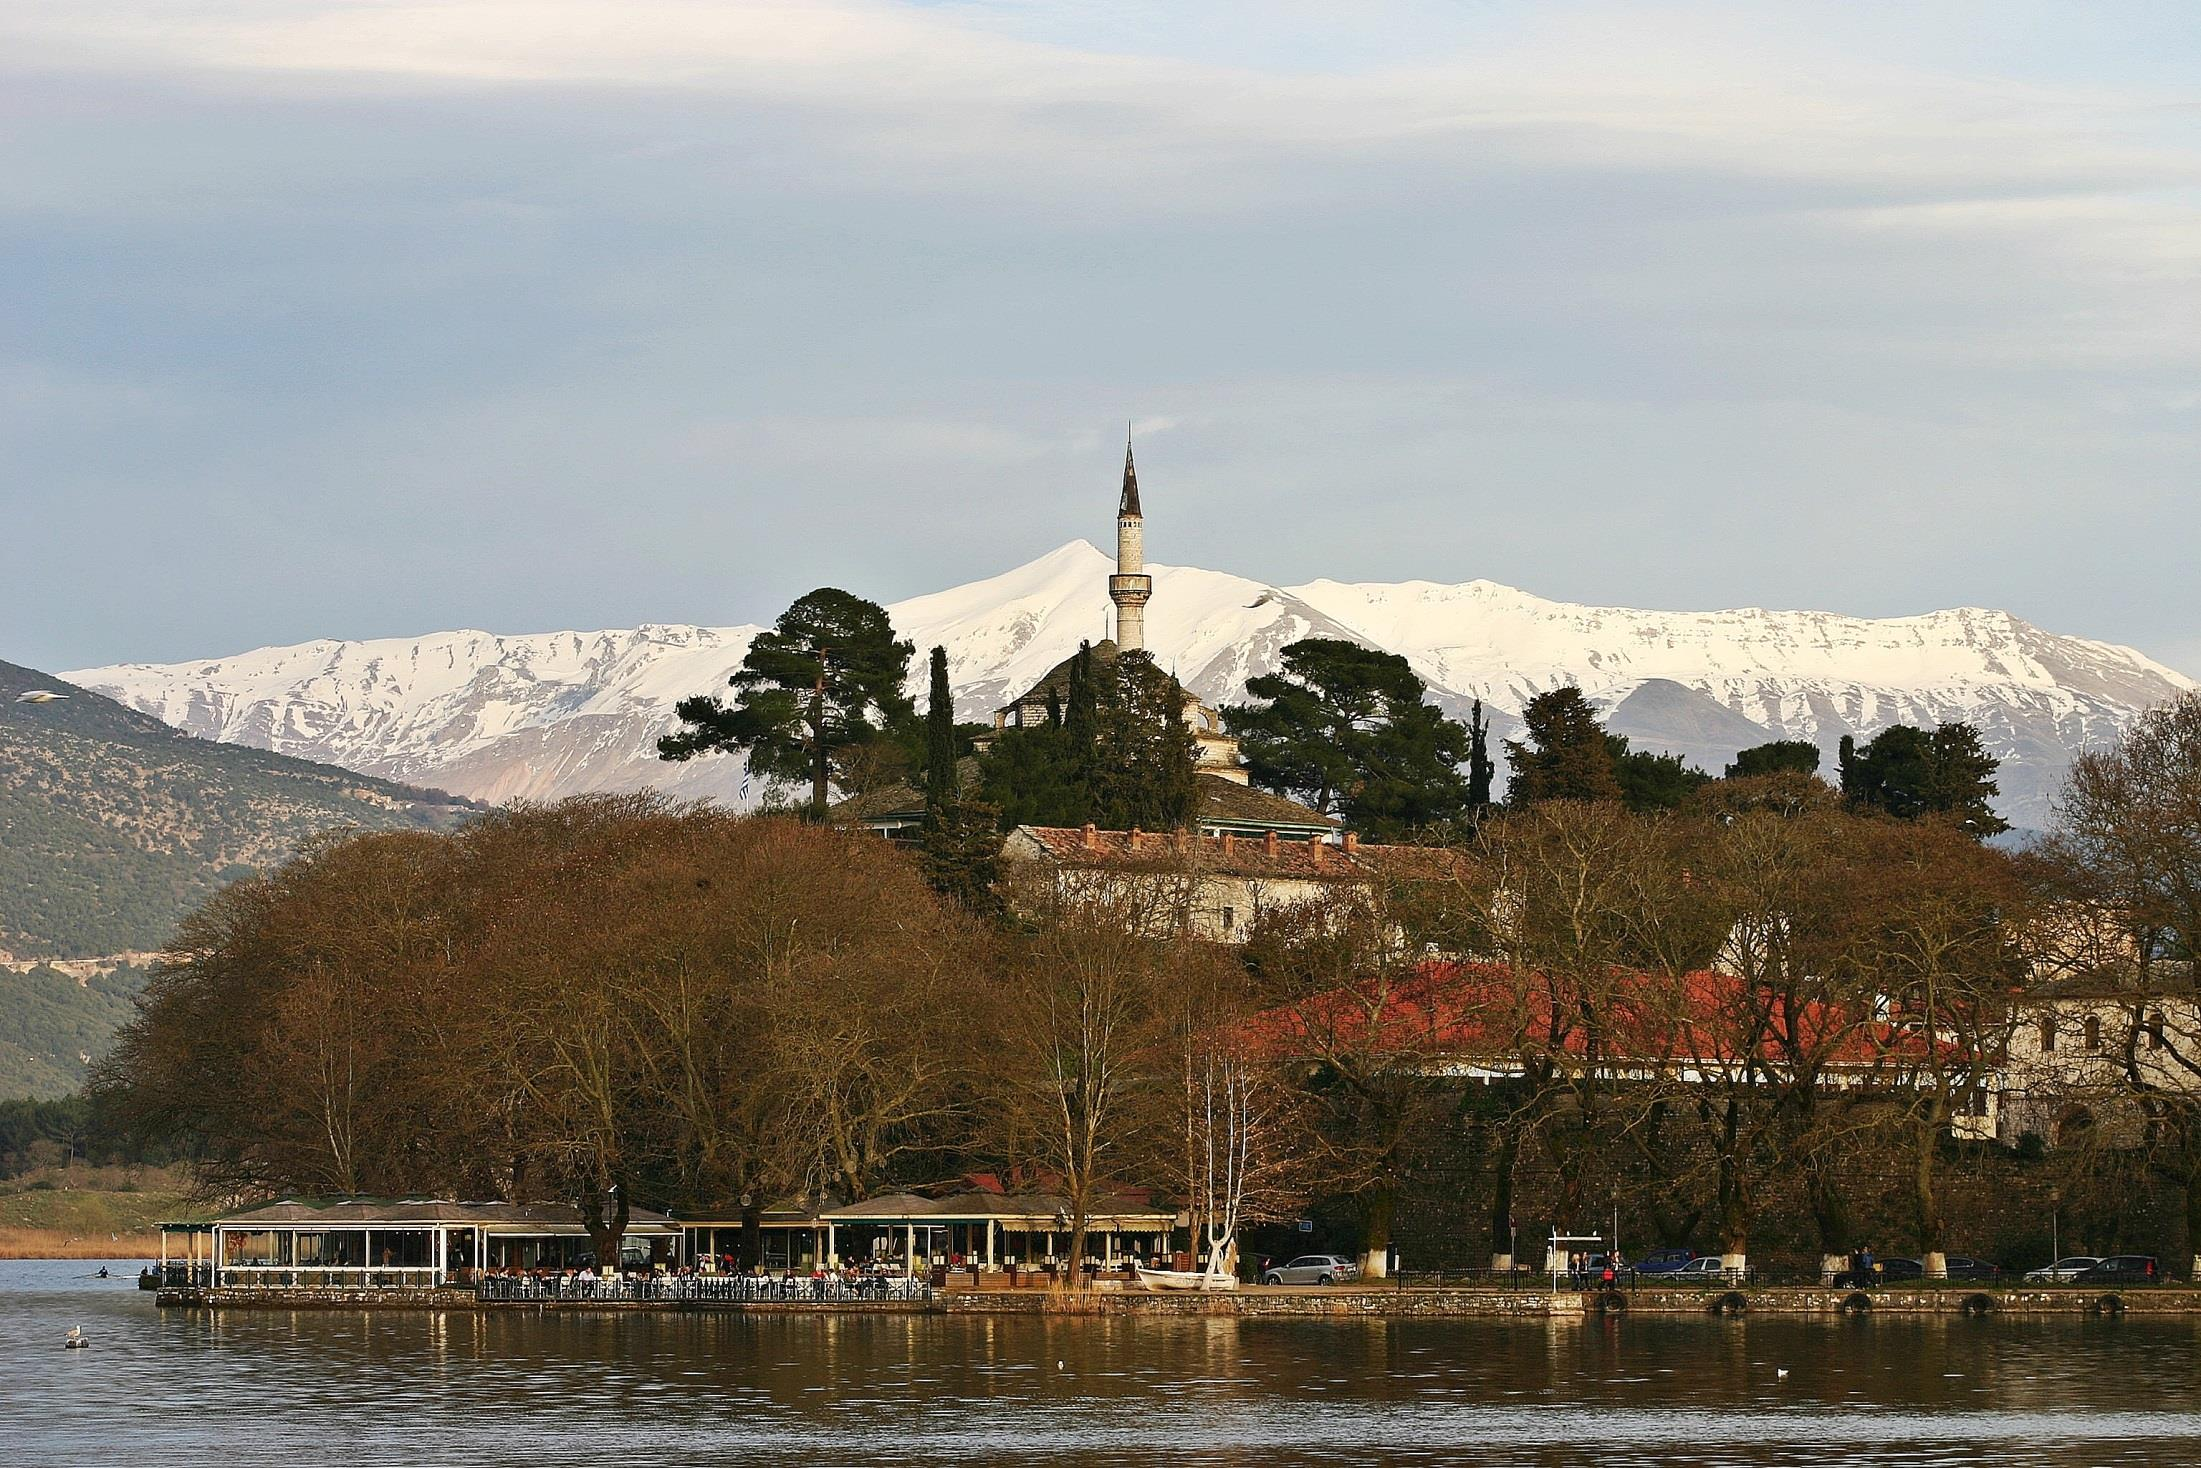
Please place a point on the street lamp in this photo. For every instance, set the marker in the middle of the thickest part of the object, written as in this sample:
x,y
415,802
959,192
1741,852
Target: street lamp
x,y
2055,1237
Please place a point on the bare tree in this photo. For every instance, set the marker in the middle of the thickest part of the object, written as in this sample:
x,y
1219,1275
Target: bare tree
x,y
1081,1054
1934,932
2129,850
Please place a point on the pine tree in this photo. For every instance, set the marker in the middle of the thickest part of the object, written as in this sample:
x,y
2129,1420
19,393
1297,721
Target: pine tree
x,y
1653,782
1782,756
1565,756
1910,772
1346,728
815,695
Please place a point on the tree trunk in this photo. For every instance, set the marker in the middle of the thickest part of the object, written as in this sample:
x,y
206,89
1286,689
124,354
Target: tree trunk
x,y
1378,1204
1925,1197
2193,1214
752,1235
607,1228
1501,1200
1073,1268
819,766
1734,1193
1829,1208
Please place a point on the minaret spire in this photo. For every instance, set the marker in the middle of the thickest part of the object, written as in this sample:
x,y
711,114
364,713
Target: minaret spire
x,y
1130,587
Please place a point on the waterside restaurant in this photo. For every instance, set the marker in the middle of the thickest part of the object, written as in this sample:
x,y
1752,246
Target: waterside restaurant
x,y
418,1243
905,1233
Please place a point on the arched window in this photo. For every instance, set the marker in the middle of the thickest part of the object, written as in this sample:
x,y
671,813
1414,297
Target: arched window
x,y
2048,1034
2093,1032
2155,1030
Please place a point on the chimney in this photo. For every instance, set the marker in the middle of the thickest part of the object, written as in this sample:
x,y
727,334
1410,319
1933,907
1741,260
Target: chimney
x,y
1136,833
1230,845
1090,837
1315,852
1268,843
1352,843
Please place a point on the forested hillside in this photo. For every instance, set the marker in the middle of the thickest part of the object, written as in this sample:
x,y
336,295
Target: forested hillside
x,y
52,1026
112,824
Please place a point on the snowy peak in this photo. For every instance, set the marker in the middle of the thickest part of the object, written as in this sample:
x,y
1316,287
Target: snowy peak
x,y
496,717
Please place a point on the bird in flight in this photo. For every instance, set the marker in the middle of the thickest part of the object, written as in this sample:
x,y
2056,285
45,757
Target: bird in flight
x,y
40,695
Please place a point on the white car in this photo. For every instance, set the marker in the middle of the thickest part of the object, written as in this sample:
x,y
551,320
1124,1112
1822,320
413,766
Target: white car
x,y
1317,1269
1708,1267
2063,1271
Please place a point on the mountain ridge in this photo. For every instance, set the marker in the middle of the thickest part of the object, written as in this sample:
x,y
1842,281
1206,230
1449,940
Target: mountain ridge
x,y
114,824
494,716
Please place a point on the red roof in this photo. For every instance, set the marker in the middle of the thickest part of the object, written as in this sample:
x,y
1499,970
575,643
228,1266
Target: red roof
x,y
1467,1011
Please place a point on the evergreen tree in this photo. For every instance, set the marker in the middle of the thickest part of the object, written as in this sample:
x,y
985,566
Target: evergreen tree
x,y
961,849
1910,772
961,855
1030,778
815,696
1652,782
941,787
1565,756
1782,756
1481,768
1346,729
1145,758
1081,719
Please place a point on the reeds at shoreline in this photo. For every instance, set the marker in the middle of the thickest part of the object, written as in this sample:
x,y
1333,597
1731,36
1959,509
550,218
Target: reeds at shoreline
x,y
54,1243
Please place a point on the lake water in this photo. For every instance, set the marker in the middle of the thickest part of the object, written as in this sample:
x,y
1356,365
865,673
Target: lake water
x,y
244,1388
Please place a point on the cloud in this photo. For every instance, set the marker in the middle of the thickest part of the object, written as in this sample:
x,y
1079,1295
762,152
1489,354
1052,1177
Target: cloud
x,y
554,312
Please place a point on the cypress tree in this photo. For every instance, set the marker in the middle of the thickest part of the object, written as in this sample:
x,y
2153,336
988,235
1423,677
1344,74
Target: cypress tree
x,y
1481,769
940,782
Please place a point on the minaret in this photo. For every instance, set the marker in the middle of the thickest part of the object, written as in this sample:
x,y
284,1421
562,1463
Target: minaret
x,y
1130,587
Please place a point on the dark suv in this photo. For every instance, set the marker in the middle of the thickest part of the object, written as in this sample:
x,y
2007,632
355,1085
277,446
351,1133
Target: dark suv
x,y
1892,1271
2122,1269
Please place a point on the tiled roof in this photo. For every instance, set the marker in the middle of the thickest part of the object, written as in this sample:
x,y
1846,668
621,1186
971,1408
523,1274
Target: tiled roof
x,y
900,1207
1226,800
899,799
367,1211
1238,856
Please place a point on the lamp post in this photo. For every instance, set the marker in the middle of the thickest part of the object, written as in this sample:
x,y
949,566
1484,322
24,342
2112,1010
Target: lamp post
x,y
2055,1233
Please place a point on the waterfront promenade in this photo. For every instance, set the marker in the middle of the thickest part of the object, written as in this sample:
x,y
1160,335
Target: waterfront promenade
x,y
1389,1301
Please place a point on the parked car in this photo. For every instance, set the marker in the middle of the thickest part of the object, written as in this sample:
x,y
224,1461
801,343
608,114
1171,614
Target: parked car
x,y
1665,1261
1883,1271
1317,1269
2123,1269
1962,1267
2063,1271
1703,1270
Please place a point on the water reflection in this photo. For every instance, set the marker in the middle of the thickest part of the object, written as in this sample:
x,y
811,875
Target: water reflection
x,y
268,1387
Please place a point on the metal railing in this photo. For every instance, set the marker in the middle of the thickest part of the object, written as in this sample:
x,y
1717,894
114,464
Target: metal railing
x,y
328,1277
724,1289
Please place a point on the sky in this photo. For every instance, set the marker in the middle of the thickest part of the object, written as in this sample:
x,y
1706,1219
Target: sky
x,y
346,318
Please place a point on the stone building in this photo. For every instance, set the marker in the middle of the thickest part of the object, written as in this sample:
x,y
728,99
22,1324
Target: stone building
x,y
1213,886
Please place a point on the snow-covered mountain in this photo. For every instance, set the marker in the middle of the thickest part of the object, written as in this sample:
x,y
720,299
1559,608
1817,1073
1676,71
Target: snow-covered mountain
x,y
544,715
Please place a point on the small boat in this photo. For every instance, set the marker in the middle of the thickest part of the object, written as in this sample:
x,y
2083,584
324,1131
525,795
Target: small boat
x,y
1183,1279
